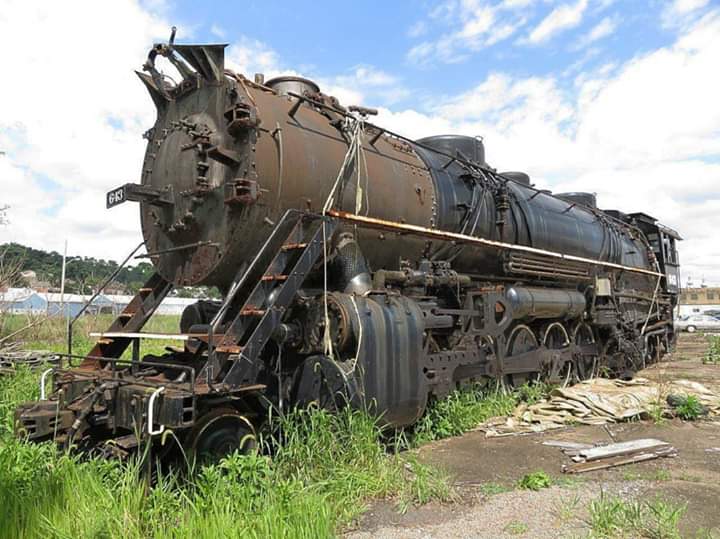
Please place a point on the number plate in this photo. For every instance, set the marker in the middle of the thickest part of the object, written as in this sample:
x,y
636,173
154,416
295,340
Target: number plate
x,y
115,197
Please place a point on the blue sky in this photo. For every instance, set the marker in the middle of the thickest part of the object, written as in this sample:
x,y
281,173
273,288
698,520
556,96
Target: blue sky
x,y
332,38
616,97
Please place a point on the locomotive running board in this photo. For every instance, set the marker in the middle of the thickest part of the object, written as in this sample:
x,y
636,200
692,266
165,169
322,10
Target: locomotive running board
x,y
394,226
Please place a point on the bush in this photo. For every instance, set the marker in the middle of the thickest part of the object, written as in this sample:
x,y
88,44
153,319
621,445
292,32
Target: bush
x,y
535,481
689,408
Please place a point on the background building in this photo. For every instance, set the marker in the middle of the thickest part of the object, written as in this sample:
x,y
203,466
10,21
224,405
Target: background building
x,y
28,301
699,300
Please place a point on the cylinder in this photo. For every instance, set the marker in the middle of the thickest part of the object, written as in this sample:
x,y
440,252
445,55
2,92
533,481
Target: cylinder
x,y
586,199
533,303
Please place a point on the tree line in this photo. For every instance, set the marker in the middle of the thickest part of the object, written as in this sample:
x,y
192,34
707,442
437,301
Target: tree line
x,y
83,274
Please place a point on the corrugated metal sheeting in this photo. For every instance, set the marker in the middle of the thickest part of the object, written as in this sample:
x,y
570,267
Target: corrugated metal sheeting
x,y
28,301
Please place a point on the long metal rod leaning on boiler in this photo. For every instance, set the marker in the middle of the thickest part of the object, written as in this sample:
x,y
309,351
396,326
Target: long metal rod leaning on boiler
x,y
427,269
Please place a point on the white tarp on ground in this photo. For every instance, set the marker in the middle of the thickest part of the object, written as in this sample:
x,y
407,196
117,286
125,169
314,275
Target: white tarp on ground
x,y
596,402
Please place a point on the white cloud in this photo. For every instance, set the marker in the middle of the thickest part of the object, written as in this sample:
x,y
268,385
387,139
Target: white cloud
x,y
558,20
418,29
516,4
643,135
602,29
71,115
686,6
680,13
250,56
476,25
218,31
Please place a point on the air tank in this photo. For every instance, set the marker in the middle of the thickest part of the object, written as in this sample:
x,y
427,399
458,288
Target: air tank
x,y
537,303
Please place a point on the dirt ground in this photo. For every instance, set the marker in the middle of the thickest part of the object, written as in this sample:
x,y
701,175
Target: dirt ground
x,y
486,472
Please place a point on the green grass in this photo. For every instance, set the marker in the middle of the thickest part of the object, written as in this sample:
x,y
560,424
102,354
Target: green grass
x,y
464,409
51,334
492,489
322,476
647,475
516,528
614,517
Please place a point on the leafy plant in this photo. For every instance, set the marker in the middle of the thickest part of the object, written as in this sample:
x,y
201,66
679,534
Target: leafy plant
x,y
712,356
689,408
535,481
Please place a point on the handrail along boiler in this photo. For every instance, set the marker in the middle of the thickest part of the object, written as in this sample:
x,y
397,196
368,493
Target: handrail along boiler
x,y
356,266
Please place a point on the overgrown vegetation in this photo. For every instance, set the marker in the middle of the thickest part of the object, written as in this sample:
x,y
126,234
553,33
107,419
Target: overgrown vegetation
x,y
615,517
319,478
327,467
464,409
51,333
516,528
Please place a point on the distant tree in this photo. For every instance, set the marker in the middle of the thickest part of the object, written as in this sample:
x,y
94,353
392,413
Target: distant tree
x,y
10,267
83,274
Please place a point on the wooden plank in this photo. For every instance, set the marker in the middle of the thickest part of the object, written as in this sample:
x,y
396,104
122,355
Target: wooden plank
x,y
581,467
158,336
622,448
564,445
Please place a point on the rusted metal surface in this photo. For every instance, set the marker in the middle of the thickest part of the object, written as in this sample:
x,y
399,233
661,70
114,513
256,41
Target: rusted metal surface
x,y
373,222
356,267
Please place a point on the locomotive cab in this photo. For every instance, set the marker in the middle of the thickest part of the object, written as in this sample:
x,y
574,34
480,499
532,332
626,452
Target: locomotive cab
x,y
663,241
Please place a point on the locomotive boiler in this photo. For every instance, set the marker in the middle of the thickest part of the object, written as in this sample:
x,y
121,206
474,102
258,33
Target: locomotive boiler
x,y
356,266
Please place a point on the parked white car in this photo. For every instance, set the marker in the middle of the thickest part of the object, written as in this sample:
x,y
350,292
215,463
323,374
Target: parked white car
x,y
695,322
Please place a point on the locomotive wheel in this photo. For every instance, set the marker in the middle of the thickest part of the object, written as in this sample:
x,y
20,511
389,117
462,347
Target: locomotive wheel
x,y
585,366
614,360
555,337
521,340
219,433
653,350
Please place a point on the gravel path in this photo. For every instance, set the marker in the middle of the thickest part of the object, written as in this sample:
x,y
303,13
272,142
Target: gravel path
x,y
553,513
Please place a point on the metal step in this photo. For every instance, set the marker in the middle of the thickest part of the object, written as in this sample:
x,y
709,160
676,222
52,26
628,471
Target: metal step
x,y
131,320
272,294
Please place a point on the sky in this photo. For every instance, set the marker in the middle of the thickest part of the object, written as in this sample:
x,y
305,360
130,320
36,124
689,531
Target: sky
x,y
616,97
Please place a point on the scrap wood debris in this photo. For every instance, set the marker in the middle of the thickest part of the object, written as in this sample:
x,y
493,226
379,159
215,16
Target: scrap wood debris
x,y
597,402
587,458
12,356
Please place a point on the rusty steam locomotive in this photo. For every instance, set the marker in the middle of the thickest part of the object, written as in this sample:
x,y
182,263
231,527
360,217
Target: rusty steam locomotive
x,y
356,266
